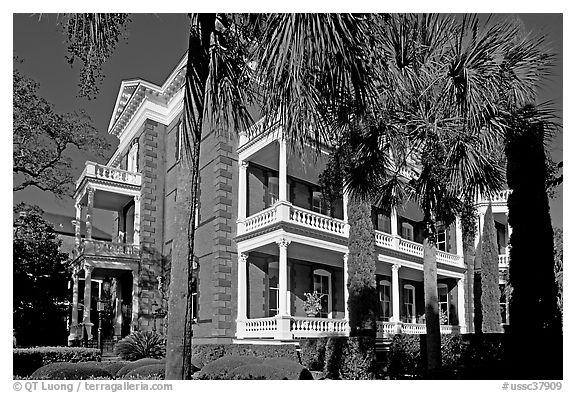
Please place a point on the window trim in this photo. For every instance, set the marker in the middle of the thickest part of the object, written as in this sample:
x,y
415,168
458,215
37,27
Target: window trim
x,y
447,302
410,227
382,284
411,288
325,273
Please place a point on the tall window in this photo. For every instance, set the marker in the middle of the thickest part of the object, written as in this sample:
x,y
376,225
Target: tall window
x,y
132,164
503,304
318,203
441,237
385,295
273,279
443,303
409,303
407,231
322,285
273,190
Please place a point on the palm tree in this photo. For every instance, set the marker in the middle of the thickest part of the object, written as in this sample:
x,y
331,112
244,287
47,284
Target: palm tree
x,y
446,81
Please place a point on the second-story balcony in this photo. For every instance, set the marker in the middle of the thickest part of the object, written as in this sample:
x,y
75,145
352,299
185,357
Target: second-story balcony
x,y
285,212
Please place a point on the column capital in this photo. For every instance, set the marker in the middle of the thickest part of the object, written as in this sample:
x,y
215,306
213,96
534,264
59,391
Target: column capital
x,y
243,164
75,274
396,267
283,242
136,198
88,269
242,257
90,190
345,256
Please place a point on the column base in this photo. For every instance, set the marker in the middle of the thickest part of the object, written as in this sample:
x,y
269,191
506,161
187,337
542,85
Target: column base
x,y
283,328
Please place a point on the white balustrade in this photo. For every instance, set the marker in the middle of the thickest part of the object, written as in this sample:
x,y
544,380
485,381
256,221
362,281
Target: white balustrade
x,y
260,219
317,221
384,239
109,173
414,328
449,329
499,197
410,247
386,328
313,327
99,247
449,259
258,328
503,261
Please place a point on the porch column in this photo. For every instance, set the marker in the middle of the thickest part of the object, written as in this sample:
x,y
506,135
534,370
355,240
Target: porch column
x,y
283,319
346,313
394,228
242,287
395,293
74,319
89,213
135,301
283,170
87,299
459,242
136,237
77,226
242,183
345,207
461,307
118,308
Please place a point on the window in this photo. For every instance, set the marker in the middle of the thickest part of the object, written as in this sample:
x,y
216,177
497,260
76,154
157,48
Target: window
x,y
409,303
273,279
273,189
318,204
443,304
441,237
132,163
385,295
407,231
323,285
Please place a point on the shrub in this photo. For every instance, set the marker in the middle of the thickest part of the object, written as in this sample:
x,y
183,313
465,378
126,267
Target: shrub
x,y
290,368
114,367
312,352
404,358
358,358
256,371
152,371
202,354
27,360
66,370
136,364
220,368
140,345
333,356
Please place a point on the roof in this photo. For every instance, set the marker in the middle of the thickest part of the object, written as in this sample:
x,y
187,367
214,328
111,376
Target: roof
x,y
63,226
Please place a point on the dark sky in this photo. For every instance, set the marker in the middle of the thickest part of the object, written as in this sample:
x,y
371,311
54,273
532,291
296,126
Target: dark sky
x,y
155,43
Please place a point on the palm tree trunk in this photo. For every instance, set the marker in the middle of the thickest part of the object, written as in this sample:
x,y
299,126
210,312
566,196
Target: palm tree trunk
x,y
433,353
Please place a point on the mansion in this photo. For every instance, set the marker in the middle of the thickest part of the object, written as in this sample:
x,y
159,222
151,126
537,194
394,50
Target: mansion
x,y
264,237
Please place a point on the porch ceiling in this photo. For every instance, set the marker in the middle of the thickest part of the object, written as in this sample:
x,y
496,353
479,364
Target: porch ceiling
x,y
107,200
305,253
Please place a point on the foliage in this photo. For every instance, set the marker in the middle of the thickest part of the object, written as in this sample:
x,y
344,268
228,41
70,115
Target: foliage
x,y
26,360
92,39
312,353
43,140
312,303
40,279
404,358
533,313
139,345
67,370
221,368
137,364
114,367
358,358
290,368
362,295
256,371
151,371
559,266
203,354
490,297
333,356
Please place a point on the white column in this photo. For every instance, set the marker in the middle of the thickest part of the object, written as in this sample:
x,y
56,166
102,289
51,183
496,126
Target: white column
x,y
136,237
135,301
459,242
87,299
89,213
283,170
118,308
346,313
283,276
242,286
394,227
77,226
395,293
461,308
74,318
242,185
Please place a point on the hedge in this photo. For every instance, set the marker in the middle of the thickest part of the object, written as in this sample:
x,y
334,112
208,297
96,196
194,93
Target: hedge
x,y
203,354
257,371
27,360
221,368
292,369
151,371
136,364
67,370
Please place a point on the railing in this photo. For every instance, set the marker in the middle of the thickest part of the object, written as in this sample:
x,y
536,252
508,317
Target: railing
x,y
414,328
503,260
99,247
499,197
449,259
260,219
384,239
318,221
386,328
259,327
103,172
409,247
314,327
